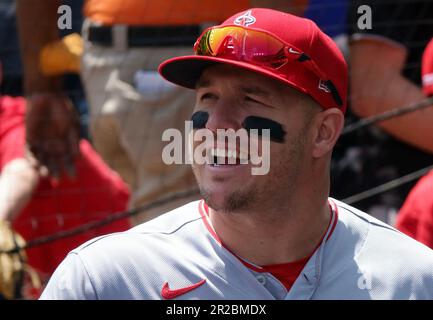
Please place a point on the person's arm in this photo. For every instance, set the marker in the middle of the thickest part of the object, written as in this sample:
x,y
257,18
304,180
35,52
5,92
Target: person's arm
x,y
377,85
37,26
18,180
380,57
51,122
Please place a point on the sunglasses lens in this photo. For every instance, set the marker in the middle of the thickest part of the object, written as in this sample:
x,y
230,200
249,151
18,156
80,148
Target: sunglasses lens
x,y
246,45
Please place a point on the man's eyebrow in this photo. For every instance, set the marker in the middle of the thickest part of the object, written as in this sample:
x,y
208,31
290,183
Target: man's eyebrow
x,y
255,90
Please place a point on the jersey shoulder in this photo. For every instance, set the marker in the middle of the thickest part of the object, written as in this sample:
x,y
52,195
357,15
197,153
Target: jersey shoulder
x,y
380,236
398,266
166,224
139,260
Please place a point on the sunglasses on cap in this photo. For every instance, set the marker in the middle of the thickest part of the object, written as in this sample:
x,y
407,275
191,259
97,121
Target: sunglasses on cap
x,y
258,48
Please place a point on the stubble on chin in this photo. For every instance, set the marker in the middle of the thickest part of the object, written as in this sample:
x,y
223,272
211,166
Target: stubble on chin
x,y
234,202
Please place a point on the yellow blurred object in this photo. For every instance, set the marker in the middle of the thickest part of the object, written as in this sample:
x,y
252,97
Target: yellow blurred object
x,y
13,265
61,56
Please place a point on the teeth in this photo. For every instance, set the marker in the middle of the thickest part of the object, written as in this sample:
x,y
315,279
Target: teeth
x,y
222,153
216,152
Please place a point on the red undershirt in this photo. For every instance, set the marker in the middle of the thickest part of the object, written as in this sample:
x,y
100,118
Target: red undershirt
x,y
286,273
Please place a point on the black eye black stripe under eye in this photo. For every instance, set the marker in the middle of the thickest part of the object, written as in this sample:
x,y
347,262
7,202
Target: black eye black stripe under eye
x,y
199,119
277,132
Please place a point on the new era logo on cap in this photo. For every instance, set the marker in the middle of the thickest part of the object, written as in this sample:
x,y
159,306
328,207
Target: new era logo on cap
x,y
427,79
323,86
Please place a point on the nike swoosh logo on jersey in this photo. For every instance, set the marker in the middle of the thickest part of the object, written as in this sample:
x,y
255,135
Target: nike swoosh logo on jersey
x,y
168,293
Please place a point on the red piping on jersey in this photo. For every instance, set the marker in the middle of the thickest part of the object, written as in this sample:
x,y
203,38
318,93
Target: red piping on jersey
x,y
334,208
204,212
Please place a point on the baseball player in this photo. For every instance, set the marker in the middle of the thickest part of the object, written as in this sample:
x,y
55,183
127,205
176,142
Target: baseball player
x,y
273,236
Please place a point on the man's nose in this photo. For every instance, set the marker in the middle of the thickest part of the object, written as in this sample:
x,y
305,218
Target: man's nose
x,y
224,116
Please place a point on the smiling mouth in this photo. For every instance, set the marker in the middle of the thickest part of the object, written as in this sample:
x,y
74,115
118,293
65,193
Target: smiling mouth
x,y
221,157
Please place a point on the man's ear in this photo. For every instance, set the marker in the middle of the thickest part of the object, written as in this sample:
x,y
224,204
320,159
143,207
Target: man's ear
x,y
328,125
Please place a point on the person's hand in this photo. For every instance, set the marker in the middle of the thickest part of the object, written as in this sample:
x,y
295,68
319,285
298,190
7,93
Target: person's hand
x,y
52,132
61,56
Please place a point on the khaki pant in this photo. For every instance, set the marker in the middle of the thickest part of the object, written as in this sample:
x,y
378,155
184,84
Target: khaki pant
x,y
127,125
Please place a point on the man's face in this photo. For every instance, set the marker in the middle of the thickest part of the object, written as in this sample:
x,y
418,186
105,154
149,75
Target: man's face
x,y
229,95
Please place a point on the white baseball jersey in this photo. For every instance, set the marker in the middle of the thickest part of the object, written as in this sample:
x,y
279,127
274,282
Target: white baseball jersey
x,y
177,256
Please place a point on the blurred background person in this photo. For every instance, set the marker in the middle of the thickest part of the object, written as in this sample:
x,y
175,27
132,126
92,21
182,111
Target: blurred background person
x,y
38,206
384,64
415,218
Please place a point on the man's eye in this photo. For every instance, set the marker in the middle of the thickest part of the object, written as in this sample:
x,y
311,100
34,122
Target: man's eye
x,y
207,96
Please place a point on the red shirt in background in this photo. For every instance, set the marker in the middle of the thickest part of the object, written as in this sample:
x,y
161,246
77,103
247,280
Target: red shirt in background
x,y
415,217
94,194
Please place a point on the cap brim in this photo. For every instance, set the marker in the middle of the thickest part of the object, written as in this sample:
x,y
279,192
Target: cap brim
x,y
186,71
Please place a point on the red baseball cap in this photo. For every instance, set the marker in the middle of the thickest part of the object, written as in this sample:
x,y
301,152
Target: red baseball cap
x,y
427,69
313,63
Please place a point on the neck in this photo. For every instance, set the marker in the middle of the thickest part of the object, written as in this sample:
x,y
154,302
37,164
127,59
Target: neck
x,y
274,236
